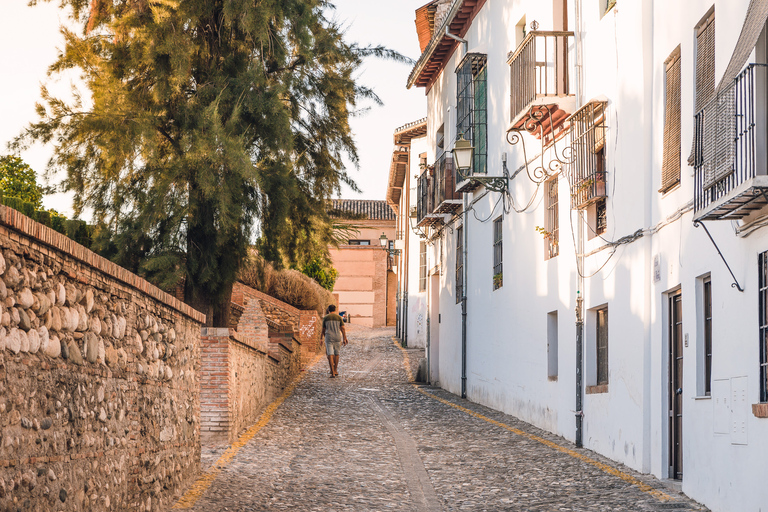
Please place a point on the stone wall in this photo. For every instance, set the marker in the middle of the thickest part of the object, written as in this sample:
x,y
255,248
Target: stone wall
x,y
243,370
99,400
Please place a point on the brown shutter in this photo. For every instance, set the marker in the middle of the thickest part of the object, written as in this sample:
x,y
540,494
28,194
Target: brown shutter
x,y
705,67
670,167
705,62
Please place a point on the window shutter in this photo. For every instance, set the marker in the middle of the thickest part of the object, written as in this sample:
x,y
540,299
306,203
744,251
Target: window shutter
x,y
705,69
705,62
670,167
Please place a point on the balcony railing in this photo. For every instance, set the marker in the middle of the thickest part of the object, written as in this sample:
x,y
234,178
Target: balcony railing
x,y
729,149
424,196
446,199
540,72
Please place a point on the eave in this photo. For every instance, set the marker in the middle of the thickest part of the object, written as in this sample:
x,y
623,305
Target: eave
x,y
440,48
401,160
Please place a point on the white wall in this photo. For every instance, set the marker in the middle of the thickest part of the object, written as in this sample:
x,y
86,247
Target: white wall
x,y
623,60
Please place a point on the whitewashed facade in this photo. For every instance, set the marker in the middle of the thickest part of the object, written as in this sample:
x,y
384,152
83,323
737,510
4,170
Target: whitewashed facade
x,y
654,289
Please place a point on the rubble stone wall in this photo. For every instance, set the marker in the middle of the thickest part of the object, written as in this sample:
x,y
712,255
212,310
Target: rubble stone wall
x,y
99,401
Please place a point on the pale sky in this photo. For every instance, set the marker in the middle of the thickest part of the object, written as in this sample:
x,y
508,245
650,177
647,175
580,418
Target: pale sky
x,y
29,38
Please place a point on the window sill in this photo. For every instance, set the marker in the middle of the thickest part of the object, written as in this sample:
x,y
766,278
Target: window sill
x,y
552,378
600,388
669,188
703,397
760,410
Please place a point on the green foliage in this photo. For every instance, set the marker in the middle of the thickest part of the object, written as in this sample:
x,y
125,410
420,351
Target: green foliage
x,y
322,272
205,117
17,179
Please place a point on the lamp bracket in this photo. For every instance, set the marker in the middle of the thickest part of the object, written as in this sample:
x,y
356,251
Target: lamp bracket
x,y
493,183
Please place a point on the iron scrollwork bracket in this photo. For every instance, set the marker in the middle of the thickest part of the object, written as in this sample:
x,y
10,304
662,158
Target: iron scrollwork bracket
x,y
493,183
535,123
735,283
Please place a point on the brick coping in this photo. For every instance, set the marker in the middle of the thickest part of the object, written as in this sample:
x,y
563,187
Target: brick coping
x,y
42,234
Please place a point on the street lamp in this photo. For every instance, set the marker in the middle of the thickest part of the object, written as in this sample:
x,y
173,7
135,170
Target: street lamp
x,y
463,150
384,242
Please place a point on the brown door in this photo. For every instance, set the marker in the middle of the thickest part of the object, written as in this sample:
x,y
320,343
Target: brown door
x,y
676,386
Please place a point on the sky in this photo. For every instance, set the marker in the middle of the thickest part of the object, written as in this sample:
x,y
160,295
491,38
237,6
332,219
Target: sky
x,y
30,38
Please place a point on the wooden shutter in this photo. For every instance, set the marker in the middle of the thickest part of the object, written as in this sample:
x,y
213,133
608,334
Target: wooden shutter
x,y
705,68
670,167
705,61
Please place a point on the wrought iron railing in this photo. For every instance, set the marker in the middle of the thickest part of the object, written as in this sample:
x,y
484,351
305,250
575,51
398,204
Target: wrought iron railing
x,y
424,195
588,162
725,140
539,67
445,180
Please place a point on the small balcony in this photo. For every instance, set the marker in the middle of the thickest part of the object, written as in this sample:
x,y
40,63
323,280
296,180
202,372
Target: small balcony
x,y
425,200
542,95
446,199
730,150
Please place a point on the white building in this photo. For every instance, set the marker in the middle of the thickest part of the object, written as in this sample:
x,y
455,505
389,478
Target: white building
x,y
409,151
587,111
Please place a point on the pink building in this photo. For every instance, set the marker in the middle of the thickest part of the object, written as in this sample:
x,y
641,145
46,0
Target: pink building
x,y
366,287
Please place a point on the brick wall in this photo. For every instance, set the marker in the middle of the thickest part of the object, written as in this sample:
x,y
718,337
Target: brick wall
x,y
244,370
99,400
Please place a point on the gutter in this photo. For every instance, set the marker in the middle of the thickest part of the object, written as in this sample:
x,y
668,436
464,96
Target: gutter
x,y
432,46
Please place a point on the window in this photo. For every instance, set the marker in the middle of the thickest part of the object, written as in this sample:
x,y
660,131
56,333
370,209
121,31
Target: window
x,y
498,256
762,263
601,345
601,220
359,242
471,107
552,235
707,286
459,264
422,266
552,345
670,167
588,143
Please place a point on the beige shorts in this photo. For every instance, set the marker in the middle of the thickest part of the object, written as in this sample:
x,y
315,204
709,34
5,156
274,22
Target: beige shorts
x,y
332,348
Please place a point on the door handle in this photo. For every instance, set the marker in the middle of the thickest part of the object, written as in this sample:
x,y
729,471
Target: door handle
x,y
679,391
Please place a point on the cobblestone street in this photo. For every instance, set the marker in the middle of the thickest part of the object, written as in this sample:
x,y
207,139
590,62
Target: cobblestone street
x,y
369,440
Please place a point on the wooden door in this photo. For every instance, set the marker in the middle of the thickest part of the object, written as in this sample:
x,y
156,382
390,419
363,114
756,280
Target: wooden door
x,y
676,386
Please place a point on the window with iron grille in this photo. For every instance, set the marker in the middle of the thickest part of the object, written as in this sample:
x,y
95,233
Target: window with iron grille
x,y
707,288
587,144
601,219
471,107
762,262
498,255
422,266
670,167
601,344
553,220
459,264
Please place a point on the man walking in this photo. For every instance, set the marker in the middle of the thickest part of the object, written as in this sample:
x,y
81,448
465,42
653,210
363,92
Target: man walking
x,y
333,331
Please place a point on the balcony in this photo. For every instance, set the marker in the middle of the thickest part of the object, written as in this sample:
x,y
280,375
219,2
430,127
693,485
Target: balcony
x,y
542,96
730,150
436,193
446,199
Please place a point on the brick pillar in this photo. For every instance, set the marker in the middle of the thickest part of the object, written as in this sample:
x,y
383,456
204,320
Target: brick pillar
x,y
214,384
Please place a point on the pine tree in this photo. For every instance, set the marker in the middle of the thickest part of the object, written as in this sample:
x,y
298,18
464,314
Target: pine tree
x,y
204,119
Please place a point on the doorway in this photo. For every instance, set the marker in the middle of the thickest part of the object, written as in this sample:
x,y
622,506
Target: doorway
x,y
676,386
434,329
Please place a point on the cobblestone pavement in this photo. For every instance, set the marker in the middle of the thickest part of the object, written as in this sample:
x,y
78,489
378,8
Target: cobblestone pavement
x,y
369,440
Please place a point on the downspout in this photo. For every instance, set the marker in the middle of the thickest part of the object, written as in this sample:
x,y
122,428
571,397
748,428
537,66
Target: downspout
x,y
407,249
465,224
579,257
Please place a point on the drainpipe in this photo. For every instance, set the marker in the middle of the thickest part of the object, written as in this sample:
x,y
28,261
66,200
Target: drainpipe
x,y
465,225
579,259
406,250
